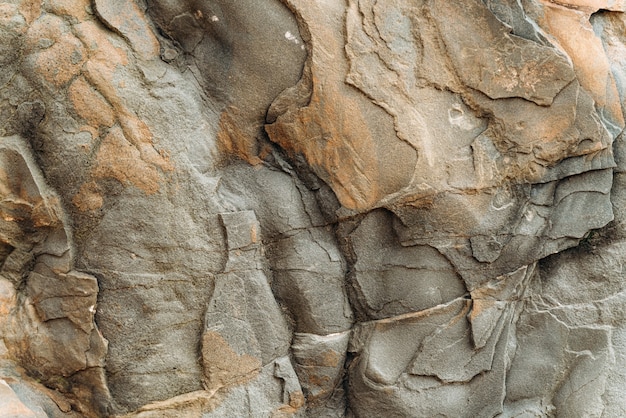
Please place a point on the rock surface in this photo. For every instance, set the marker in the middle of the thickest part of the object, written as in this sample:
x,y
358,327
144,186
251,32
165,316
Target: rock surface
x,y
297,208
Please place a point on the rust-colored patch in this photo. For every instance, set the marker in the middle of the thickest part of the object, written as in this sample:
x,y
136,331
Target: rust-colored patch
x,y
90,105
56,55
336,141
296,402
320,381
187,405
254,234
9,18
118,159
44,213
571,27
45,29
62,61
99,72
88,197
98,45
138,133
330,358
127,152
233,139
30,9
479,306
82,56
296,399
73,8
7,300
5,185
223,367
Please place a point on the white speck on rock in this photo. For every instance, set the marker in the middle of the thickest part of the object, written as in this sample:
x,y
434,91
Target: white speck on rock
x,y
215,18
291,37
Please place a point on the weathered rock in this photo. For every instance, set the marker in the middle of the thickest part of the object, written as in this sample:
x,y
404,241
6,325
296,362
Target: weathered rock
x,y
48,322
389,279
243,312
11,406
308,268
319,363
311,208
384,364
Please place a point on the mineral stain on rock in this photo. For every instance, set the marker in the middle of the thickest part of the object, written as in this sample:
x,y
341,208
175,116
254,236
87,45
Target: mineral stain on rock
x,y
312,209
222,366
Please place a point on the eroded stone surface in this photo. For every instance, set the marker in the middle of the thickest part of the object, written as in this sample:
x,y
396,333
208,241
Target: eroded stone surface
x,y
311,208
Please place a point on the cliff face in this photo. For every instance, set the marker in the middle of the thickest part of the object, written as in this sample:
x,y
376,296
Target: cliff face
x,y
312,208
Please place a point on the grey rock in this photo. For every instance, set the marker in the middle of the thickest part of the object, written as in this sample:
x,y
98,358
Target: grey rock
x,y
308,268
268,395
324,209
389,279
415,395
512,68
583,361
512,14
13,407
319,362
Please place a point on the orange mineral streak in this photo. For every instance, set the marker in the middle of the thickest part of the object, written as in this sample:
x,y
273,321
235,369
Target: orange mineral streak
x,y
296,402
59,63
5,189
233,139
90,105
44,213
223,367
100,73
8,298
100,49
119,159
331,358
88,197
30,10
127,152
573,31
339,148
479,306
72,8
320,381
66,47
331,132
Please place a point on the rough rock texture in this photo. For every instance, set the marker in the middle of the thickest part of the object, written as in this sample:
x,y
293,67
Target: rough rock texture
x,y
308,208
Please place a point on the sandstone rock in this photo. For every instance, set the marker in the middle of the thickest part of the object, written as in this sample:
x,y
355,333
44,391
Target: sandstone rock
x,y
389,279
242,298
319,363
309,208
48,321
308,268
381,383
12,407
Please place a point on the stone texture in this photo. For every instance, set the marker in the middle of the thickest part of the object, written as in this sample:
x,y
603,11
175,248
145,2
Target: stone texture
x,y
11,405
298,208
319,363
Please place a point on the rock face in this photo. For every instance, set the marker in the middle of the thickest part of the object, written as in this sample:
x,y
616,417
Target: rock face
x,y
298,208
